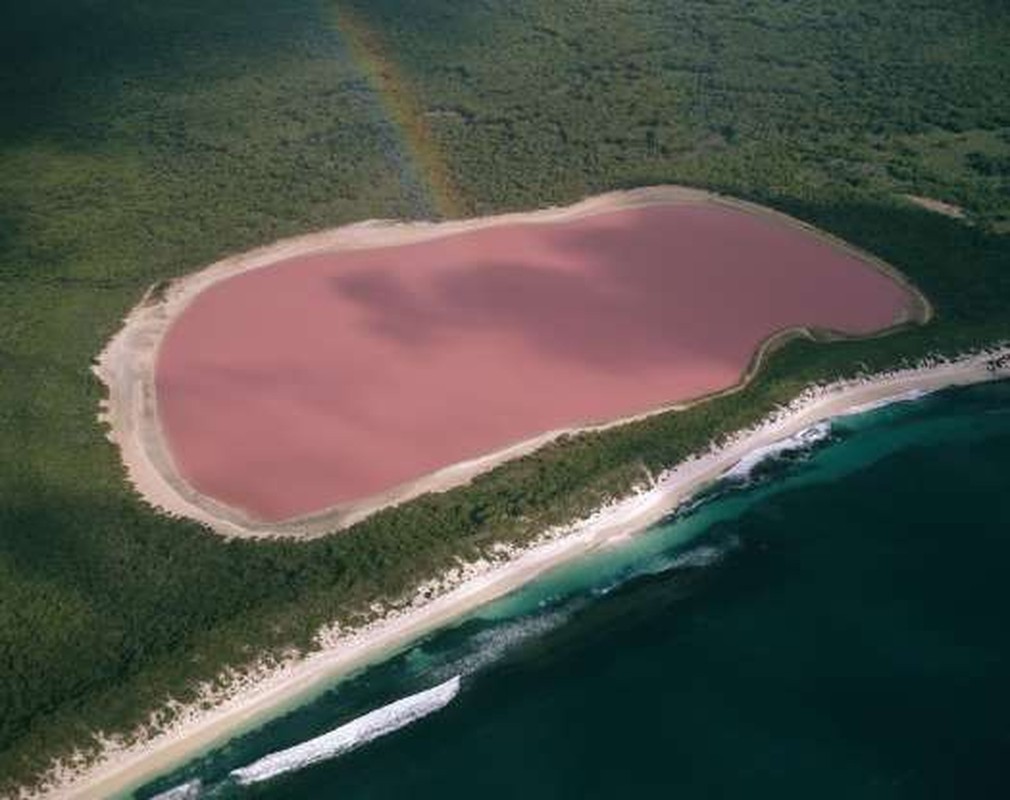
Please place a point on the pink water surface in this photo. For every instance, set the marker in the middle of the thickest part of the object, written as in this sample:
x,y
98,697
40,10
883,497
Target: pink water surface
x,y
330,378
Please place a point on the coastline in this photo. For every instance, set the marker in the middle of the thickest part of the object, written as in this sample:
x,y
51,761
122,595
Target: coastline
x,y
127,364
255,699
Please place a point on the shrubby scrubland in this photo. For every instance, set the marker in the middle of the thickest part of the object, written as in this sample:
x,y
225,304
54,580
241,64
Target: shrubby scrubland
x,y
142,140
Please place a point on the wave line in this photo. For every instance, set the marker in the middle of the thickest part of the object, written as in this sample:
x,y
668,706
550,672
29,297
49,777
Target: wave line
x,y
351,735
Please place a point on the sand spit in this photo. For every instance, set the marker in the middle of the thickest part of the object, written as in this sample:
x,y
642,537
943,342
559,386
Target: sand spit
x,y
127,365
254,697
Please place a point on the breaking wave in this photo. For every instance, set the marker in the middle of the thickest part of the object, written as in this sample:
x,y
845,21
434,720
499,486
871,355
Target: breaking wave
x,y
491,645
706,555
806,438
351,735
184,791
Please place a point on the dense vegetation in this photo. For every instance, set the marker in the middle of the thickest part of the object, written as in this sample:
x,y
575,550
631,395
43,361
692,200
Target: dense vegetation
x,y
538,101
141,140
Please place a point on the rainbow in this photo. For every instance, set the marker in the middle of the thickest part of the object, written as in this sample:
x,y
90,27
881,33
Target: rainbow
x,y
369,52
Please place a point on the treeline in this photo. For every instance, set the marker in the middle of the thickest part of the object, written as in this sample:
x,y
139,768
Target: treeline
x,y
171,135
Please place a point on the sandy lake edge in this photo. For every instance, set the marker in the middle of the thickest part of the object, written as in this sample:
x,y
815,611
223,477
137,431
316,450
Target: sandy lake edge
x,y
126,366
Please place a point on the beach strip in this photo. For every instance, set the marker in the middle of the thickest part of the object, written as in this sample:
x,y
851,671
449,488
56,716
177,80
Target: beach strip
x,y
256,700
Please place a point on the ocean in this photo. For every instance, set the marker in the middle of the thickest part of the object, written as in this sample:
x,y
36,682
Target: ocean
x,y
830,622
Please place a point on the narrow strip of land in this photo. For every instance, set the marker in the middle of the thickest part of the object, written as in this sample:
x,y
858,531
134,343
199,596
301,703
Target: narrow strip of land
x,y
255,699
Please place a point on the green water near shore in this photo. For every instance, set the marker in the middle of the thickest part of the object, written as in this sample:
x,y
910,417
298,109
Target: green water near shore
x,y
834,626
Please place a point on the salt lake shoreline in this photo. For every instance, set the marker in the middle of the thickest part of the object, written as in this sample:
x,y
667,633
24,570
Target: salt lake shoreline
x,y
265,692
126,365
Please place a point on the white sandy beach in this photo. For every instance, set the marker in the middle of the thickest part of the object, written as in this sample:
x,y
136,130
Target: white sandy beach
x,y
254,700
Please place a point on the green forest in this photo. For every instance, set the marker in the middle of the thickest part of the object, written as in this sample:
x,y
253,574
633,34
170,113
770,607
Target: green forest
x,y
140,141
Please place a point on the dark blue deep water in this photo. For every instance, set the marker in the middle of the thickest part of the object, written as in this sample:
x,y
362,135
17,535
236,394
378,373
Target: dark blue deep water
x,y
834,627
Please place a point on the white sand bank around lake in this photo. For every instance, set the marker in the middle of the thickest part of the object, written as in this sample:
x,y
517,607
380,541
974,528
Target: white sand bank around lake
x,y
127,364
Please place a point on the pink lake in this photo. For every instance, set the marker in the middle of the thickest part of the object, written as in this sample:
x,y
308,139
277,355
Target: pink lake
x,y
335,377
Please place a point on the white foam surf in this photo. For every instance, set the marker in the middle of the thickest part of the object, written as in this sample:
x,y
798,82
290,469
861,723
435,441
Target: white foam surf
x,y
800,441
705,555
494,644
353,734
184,791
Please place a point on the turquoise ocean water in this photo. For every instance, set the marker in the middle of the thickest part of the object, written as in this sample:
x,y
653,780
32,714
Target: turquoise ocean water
x,y
834,625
